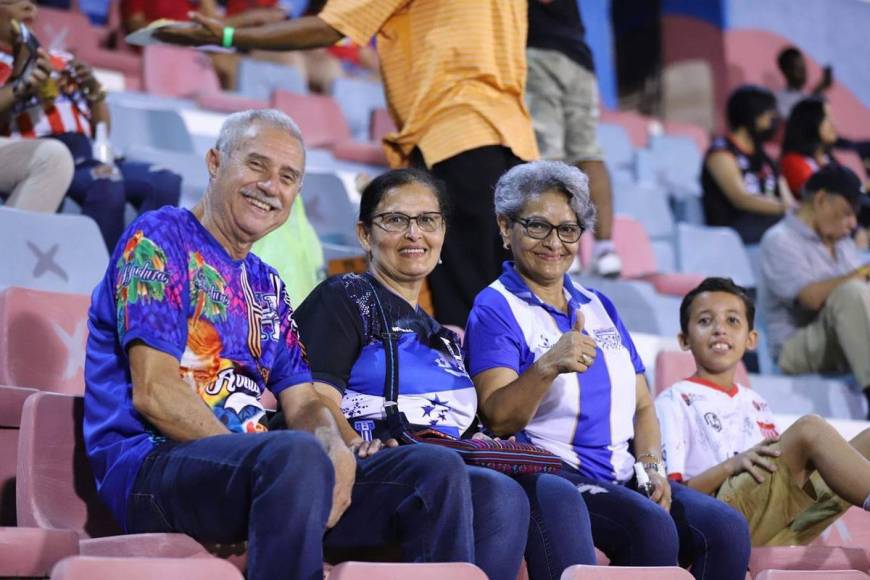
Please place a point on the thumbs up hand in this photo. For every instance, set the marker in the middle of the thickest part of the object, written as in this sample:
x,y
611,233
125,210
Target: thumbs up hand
x,y
573,353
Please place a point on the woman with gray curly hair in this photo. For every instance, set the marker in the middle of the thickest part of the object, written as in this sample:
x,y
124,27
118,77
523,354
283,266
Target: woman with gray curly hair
x,y
553,364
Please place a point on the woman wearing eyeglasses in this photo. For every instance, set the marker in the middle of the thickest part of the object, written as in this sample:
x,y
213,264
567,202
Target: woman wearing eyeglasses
x,y
402,228
553,364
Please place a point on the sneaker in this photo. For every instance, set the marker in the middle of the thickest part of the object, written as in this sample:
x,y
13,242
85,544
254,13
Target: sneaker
x,y
607,265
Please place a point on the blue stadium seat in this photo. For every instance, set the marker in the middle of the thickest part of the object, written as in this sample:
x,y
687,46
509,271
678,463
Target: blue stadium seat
x,y
358,99
142,126
647,204
676,163
618,151
330,210
54,252
258,79
639,306
713,251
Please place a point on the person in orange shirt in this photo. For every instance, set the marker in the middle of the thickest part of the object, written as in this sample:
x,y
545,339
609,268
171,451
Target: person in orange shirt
x,y
454,74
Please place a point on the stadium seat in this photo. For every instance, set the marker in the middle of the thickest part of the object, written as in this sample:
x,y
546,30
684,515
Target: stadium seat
x,y
33,552
11,402
693,132
636,125
323,125
171,71
94,568
56,490
54,252
143,126
382,124
358,99
618,150
676,163
258,79
713,251
851,530
580,572
638,258
639,307
42,339
807,558
673,366
811,575
329,210
394,571
647,204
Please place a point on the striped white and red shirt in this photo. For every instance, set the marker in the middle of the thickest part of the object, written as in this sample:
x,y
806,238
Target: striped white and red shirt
x,y
67,113
703,425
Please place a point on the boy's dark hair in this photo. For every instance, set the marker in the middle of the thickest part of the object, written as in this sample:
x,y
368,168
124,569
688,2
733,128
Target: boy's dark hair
x,y
375,190
802,128
746,104
714,284
786,57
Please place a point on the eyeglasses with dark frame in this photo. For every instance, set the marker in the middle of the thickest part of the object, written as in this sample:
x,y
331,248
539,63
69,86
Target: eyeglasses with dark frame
x,y
394,221
540,230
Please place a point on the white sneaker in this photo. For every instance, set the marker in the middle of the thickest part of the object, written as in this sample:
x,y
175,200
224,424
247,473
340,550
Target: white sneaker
x,y
607,265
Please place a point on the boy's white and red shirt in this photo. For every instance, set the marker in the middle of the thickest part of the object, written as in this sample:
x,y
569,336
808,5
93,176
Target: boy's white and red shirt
x,y
64,114
704,424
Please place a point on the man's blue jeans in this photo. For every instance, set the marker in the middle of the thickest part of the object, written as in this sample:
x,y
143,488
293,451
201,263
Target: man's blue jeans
x,y
275,490
633,531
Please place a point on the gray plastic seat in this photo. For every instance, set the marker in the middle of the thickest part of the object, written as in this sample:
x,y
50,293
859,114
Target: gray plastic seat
x,y
258,79
55,252
329,209
713,251
358,99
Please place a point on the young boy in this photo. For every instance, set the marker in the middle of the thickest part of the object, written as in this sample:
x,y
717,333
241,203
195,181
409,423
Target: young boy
x,y
719,437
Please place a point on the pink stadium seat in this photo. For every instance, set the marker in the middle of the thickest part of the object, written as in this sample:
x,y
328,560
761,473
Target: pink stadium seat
x,y
92,568
56,491
853,161
851,530
392,571
11,402
31,552
625,573
808,558
382,124
812,575
638,259
673,366
42,339
635,124
323,125
171,71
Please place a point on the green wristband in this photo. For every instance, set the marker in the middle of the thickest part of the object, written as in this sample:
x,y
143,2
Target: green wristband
x,y
229,31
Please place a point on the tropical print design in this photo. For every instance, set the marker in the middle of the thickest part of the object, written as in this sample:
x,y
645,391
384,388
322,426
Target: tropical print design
x,y
207,289
142,274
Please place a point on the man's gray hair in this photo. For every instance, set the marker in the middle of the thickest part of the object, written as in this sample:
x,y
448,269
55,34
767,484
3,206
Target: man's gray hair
x,y
529,180
236,125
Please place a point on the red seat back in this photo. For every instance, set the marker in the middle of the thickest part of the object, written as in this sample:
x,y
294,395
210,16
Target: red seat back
x,y
673,366
90,567
812,575
851,530
64,30
172,71
42,339
632,244
319,117
625,573
382,124
11,401
392,571
55,487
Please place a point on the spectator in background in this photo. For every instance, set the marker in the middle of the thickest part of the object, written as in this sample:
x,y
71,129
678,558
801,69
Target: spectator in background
x,y
70,109
454,73
742,187
562,96
809,136
793,67
34,174
815,282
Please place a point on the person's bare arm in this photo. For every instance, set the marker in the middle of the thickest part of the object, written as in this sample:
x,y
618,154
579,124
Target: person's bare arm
x,y
508,401
648,440
166,401
813,296
297,34
256,17
754,460
724,169
304,410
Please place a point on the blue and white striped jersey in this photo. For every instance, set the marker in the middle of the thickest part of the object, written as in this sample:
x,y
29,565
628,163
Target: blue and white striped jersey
x,y
586,419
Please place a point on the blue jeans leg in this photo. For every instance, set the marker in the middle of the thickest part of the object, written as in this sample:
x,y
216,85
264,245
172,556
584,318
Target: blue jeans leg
x,y
560,533
102,199
415,496
501,516
714,537
273,489
629,528
148,188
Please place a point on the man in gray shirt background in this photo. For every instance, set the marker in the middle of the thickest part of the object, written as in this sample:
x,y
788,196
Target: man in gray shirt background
x,y
816,288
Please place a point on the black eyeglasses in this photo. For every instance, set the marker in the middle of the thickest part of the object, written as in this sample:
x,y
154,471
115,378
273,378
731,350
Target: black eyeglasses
x,y
540,230
394,221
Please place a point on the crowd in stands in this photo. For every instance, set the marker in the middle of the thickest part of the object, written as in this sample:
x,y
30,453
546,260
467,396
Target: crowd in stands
x,y
496,173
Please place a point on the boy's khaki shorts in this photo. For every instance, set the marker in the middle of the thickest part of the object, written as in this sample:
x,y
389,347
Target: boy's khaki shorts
x,y
779,512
